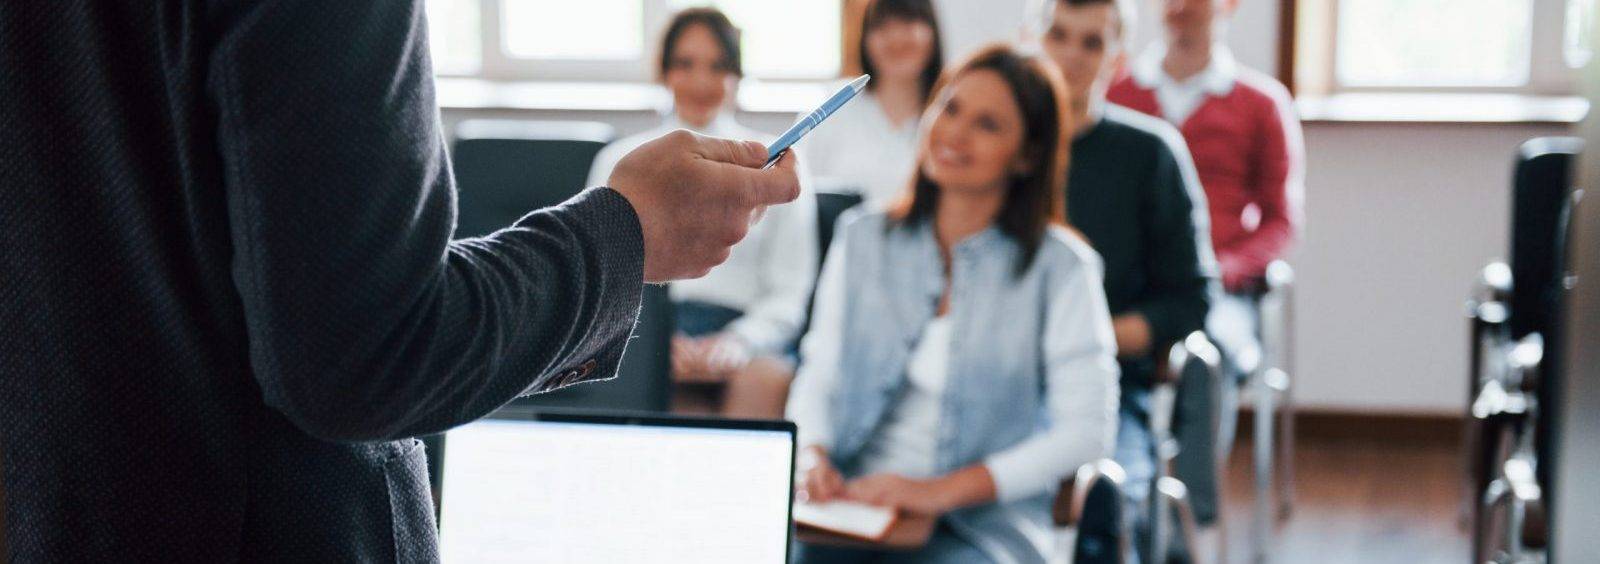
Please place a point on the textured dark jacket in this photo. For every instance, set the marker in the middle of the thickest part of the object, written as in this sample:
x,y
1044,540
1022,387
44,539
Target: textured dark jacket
x,y
1133,193
228,295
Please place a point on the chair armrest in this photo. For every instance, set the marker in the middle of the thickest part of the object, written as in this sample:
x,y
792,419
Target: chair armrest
x,y
1068,508
1494,282
1523,362
1279,276
1193,347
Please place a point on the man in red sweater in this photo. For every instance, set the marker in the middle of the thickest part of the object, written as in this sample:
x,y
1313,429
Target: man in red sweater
x,y
1241,130
1246,142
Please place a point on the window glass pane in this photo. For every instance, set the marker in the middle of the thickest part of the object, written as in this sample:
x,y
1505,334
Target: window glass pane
x,y
573,29
1433,42
796,39
1580,32
453,28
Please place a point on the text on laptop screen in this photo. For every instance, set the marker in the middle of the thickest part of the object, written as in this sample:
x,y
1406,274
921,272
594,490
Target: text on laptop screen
x,y
542,491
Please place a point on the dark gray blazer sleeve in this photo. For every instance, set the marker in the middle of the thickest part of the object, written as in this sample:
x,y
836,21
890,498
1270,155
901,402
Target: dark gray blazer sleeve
x,y
365,321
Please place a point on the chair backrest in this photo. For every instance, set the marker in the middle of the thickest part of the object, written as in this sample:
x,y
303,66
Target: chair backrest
x,y
830,205
1540,191
507,168
1092,502
1552,377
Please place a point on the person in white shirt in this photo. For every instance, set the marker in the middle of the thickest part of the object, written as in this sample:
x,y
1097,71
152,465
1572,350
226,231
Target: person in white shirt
x,y
868,146
738,324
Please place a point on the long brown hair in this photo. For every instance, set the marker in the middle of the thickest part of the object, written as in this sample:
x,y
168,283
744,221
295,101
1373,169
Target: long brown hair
x,y
1035,199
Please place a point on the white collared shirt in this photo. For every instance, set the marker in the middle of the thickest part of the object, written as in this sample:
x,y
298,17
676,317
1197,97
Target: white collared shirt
x,y
769,274
1179,100
858,150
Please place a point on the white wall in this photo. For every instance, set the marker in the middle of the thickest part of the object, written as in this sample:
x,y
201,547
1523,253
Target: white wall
x,y
1399,219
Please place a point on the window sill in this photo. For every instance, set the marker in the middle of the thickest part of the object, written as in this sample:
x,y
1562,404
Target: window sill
x,y
1442,108
455,93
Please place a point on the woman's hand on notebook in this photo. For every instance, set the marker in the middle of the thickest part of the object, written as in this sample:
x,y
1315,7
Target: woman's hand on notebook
x,y
820,481
923,497
966,487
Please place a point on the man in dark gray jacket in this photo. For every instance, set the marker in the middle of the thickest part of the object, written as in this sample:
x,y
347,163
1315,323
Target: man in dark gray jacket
x,y
228,294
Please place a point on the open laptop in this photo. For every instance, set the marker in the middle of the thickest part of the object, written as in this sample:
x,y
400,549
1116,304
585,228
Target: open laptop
x,y
525,486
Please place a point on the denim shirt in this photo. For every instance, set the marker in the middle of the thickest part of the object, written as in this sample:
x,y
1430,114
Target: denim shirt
x,y
1032,375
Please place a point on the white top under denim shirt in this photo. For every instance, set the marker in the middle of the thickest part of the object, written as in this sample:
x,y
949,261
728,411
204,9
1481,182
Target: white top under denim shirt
x,y
907,443
859,150
769,274
1030,388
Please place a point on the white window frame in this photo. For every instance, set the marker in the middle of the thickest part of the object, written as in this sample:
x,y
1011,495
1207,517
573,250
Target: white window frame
x,y
495,64
1548,74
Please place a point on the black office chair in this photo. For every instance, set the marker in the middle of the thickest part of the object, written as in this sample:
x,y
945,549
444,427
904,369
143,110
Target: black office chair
x,y
1515,380
507,168
1543,195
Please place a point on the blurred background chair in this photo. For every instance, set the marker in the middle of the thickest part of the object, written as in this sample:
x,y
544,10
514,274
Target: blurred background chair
x,y
1516,326
1208,406
1091,525
1191,372
1270,386
507,168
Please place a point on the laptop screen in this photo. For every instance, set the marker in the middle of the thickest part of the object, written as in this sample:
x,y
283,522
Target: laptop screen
x,y
616,489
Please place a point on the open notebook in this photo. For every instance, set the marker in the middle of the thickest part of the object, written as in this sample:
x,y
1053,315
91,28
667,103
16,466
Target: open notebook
x,y
868,522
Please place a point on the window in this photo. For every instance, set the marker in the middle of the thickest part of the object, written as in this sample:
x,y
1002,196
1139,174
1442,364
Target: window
x,y
1576,46
616,40
1506,46
567,30
453,36
1433,42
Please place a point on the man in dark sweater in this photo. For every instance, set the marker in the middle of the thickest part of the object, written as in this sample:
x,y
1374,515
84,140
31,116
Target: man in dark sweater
x,y
229,294
1132,191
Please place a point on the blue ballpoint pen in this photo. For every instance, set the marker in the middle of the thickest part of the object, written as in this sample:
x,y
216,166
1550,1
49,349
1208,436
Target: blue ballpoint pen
x,y
804,126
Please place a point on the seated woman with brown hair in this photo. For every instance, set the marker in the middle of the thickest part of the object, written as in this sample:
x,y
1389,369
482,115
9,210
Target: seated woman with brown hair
x,y
961,359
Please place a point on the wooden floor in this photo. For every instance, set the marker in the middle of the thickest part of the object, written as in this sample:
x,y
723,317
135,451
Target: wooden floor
x,y
1363,501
